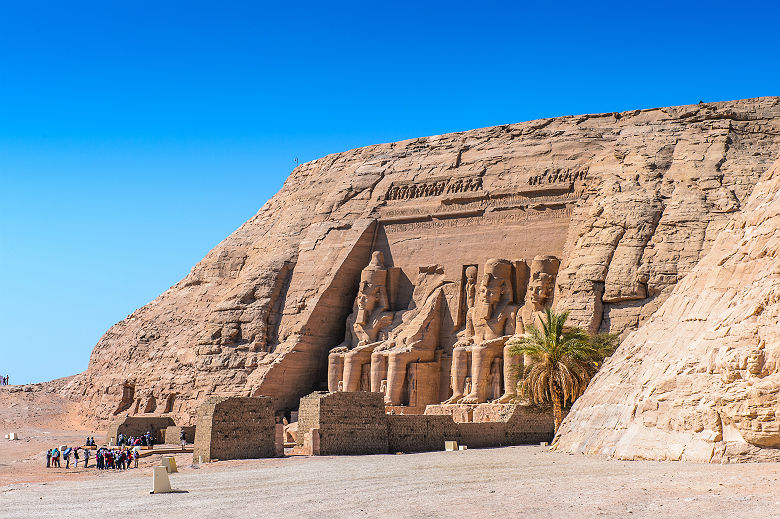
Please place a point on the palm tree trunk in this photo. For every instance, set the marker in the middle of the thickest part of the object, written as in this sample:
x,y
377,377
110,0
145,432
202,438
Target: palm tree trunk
x,y
557,402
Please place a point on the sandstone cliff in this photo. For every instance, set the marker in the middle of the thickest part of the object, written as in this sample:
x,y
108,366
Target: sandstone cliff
x,y
629,202
700,380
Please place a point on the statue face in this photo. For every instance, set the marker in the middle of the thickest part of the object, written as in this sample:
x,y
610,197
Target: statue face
x,y
540,287
367,296
490,294
490,291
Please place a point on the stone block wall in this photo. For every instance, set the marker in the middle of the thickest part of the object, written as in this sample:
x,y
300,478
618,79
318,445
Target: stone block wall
x,y
419,433
235,428
173,434
348,423
355,423
491,425
138,425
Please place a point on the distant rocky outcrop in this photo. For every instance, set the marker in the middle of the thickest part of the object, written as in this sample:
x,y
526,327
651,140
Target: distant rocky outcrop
x,y
700,380
628,201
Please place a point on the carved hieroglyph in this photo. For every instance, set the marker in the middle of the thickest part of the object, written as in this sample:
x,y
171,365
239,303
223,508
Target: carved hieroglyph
x,y
628,201
700,380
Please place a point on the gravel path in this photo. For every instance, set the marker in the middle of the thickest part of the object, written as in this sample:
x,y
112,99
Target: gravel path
x,y
505,482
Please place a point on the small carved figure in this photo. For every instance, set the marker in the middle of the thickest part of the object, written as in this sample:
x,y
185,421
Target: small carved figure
x,y
471,286
411,384
495,378
365,378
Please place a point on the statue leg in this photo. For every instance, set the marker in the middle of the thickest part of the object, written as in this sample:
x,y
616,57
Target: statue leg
x,y
397,363
512,366
396,375
335,371
378,370
481,357
460,359
353,368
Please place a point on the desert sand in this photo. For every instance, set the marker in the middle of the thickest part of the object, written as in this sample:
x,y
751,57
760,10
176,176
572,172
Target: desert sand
x,y
526,481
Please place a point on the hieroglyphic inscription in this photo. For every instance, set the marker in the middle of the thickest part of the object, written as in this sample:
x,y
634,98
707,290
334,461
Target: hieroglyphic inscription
x,y
488,203
559,176
433,188
488,219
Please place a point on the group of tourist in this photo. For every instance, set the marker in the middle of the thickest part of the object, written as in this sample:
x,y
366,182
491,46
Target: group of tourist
x,y
120,457
136,441
4,380
54,455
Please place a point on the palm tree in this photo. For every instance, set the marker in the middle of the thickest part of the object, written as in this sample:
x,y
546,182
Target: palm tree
x,y
563,360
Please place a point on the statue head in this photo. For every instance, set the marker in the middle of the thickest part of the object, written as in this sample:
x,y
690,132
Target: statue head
x,y
471,274
495,289
372,294
541,286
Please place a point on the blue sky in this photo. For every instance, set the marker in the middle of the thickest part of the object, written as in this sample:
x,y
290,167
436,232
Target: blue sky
x,y
134,136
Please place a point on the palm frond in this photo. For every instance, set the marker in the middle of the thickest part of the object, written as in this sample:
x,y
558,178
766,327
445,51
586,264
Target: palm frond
x,y
562,360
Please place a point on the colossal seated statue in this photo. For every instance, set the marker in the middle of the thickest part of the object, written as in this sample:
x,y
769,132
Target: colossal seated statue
x,y
416,341
539,296
489,323
370,317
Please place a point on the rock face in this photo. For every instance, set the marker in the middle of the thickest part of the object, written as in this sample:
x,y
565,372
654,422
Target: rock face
x,y
628,202
700,380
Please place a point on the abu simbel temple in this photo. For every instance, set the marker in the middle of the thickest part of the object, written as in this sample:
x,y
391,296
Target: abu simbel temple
x,y
373,296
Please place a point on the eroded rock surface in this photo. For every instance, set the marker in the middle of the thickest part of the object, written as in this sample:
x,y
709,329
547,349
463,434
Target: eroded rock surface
x,y
700,380
628,201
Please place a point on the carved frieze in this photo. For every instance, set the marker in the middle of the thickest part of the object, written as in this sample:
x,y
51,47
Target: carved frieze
x,y
407,191
558,176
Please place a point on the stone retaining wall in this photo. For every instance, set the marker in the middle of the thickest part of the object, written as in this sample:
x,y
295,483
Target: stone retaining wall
x,y
235,428
355,423
348,423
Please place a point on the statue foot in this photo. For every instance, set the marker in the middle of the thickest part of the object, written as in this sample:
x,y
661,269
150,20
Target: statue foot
x,y
505,399
471,398
453,399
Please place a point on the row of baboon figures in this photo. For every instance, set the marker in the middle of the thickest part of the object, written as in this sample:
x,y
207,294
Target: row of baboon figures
x,y
381,344
434,188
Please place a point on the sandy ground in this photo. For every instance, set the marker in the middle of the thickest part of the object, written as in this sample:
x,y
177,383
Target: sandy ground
x,y
505,482
42,420
523,482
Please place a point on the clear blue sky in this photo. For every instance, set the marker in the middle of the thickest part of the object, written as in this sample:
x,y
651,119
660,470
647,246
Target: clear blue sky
x,y
134,136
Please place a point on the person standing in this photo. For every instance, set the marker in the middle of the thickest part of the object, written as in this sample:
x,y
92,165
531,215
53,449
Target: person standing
x,y
66,455
48,458
86,458
55,457
76,457
183,439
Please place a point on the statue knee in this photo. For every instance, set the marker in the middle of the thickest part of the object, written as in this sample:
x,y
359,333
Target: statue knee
x,y
459,353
